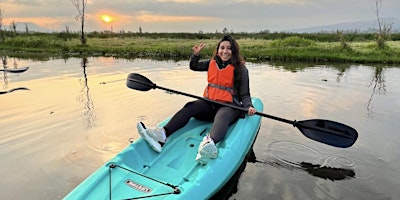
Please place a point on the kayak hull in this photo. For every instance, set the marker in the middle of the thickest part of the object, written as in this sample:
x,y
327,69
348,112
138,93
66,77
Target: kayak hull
x,y
138,172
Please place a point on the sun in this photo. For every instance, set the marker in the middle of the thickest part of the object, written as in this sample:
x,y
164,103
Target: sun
x,y
106,18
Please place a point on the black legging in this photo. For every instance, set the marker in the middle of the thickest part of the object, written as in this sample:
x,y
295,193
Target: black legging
x,y
221,116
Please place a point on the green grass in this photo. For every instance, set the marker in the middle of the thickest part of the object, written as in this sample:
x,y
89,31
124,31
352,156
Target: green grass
x,y
291,48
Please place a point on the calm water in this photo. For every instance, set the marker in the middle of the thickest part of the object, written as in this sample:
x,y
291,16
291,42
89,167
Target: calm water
x,y
64,121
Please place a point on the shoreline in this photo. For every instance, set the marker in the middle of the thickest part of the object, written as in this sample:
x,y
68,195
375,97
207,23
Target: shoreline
x,y
292,48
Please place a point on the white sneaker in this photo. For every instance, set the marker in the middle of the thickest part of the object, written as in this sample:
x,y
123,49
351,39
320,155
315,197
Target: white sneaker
x,y
207,150
152,136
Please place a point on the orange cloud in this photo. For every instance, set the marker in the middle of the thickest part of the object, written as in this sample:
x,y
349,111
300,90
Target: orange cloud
x,y
169,18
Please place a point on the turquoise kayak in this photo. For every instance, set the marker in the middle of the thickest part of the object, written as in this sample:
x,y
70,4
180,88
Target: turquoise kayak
x,y
138,172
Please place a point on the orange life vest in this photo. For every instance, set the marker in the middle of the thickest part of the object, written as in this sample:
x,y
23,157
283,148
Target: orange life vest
x,y
220,82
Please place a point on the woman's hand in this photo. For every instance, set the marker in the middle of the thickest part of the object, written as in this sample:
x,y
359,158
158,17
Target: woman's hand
x,y
197,48
251,111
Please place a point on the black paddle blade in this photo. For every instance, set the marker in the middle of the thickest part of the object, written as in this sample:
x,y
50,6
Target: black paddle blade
x,y
139,82
328,132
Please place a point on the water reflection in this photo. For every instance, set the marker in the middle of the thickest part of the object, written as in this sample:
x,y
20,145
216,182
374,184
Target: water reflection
x,y
377,81
378,87
283,154
85,98
330,173
30,135
231,187
317,170
6,70
5,80
5,77
12,90
341,71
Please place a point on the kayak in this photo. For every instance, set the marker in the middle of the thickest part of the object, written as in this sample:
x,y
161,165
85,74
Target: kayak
x,y
138,172
15,70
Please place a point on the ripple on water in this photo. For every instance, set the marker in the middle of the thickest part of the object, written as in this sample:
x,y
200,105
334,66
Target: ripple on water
x,y
114,139
296,156
292,153
342,161
102,141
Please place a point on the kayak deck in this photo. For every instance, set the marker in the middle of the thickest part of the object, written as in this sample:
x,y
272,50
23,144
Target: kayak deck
x,y
139,172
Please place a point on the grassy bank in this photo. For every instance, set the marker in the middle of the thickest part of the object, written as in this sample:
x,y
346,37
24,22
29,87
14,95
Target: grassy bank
x,y
255,49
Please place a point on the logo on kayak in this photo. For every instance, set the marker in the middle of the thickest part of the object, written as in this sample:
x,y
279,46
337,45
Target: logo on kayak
x,y
137,186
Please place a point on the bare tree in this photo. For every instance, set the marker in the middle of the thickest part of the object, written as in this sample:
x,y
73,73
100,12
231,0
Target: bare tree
x,y
26,28
1,18
67,29
1,24
383,28
13,28
80,5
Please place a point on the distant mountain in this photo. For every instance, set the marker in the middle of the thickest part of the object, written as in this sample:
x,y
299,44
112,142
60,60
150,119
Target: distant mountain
x,y
364,26
32,27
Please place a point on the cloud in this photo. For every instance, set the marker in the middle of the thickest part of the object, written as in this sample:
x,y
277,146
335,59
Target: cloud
x,y
301,2
194,15
238,1
18,9
181,1
170,18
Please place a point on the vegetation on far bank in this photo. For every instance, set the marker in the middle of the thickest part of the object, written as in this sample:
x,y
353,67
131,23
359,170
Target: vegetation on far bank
x,y
256,47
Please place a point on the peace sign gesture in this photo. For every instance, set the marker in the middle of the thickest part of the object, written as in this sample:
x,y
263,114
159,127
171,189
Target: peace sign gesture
x,y
197,48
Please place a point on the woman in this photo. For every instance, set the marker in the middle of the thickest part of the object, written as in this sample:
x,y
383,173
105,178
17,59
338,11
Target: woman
x,y
228,82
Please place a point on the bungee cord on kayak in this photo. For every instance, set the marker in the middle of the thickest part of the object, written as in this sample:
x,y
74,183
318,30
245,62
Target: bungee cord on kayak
x,y
175,189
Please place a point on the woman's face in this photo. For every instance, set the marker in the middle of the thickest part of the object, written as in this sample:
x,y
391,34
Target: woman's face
x,y
224,51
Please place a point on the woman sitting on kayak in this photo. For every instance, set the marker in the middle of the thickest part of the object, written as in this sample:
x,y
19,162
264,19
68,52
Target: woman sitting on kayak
x,y
228,82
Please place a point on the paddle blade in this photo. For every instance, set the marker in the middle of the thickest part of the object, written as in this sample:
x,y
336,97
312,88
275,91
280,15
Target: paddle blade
x,y
328,132
139,82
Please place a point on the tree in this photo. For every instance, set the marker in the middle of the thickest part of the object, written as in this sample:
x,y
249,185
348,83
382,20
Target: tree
x,y
1,18
67,29
13,27
80,5
383,28
26,28
1,24
342,39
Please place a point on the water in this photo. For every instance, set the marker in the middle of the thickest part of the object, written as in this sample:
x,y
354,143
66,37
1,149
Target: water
x,y
65,120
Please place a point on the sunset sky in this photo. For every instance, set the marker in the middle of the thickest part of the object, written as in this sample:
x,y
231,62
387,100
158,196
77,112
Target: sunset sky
x,y
195,15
